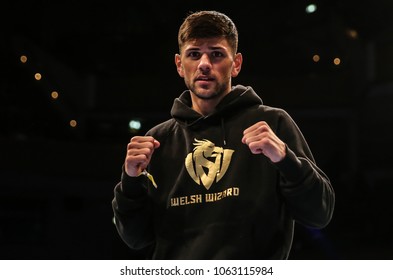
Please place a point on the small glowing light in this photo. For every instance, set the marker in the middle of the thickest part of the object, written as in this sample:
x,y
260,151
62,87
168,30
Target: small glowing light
x,y
23,58
134,125
54,94
37,76
337,61
316,58
311,8
352,33
73,123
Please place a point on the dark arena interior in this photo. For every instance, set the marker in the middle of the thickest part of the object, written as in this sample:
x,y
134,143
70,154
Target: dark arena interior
x,y
80,78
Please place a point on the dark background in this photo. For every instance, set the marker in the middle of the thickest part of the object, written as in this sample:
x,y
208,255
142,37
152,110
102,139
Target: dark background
x,y
112,62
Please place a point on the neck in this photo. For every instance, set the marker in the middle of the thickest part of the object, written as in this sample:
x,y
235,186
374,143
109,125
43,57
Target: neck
x,y
204,106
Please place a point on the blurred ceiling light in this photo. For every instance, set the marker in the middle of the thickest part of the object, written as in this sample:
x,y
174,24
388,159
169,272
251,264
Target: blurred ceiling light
x,y
23,58
311,8
352,33
37,76
134,124
73,123
54,94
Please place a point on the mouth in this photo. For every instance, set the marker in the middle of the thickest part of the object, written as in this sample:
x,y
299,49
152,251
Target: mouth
x,y
204,79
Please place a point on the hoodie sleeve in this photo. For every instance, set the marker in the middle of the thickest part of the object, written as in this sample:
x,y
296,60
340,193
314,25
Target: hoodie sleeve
x,y
132,211
305,187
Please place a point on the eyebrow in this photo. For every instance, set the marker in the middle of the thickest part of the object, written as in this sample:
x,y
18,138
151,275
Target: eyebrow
x,y
210,48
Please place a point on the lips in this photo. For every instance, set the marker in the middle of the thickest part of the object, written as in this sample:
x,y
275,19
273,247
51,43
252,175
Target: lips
x,y
204,79
204,82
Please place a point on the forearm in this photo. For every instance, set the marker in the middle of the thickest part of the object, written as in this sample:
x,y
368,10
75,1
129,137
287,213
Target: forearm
x,y
307,190
132,211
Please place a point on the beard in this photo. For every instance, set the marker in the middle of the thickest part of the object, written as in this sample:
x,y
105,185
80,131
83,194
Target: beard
x,y
217,91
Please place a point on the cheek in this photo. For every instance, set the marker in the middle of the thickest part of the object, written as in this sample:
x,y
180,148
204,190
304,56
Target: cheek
x,y
186,71
227,68
226,71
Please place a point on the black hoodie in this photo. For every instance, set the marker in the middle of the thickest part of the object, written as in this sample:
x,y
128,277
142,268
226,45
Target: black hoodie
x,y
212,198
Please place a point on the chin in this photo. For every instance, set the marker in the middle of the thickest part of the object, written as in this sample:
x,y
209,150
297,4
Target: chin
x,y
206,95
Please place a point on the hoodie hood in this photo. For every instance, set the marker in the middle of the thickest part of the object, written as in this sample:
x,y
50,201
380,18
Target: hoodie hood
x,y
239,98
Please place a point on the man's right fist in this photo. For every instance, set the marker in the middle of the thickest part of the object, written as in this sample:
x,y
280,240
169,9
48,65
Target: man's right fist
x,y
139,152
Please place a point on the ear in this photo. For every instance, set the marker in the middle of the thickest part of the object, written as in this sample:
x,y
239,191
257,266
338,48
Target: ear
x,y
179,65
237,65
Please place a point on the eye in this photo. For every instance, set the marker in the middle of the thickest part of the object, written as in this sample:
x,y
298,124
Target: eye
x,y
194,55
217,54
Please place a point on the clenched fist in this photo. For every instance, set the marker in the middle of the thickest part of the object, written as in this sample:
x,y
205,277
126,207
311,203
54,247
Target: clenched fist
x,y
261,139
139,152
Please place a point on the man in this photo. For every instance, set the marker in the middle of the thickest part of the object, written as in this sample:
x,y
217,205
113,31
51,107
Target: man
x,y
226,177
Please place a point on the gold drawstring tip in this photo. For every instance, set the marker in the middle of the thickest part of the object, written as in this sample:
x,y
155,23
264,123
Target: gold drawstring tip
x,y
150,177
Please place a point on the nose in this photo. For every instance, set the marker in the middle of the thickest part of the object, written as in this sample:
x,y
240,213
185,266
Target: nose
x,y
204,63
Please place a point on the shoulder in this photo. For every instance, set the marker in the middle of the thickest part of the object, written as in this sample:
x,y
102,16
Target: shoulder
x,y
162,128
277,118
272,112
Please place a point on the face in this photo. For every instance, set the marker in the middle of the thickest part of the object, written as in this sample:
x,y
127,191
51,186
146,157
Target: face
x,y
207,66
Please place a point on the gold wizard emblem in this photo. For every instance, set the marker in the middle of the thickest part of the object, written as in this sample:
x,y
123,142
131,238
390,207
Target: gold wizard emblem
x,y
207,163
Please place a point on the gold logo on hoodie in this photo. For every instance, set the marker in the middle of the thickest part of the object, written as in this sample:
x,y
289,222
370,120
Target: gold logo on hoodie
x,y
207,163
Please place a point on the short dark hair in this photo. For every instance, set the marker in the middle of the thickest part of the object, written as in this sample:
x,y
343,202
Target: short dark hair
x,y
208,24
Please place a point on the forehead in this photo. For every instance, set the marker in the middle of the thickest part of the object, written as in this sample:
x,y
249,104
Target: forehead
x,y
208,43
